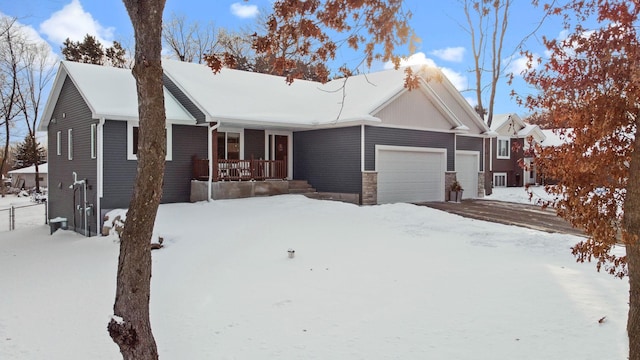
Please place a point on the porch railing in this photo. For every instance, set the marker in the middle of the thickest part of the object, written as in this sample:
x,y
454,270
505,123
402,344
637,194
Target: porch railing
x,y
240,170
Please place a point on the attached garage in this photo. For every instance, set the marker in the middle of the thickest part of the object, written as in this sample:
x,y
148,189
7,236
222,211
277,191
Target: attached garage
x,y
467,168
410,174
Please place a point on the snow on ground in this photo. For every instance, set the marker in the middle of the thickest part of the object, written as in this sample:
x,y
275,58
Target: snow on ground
x,y
378,282
519,194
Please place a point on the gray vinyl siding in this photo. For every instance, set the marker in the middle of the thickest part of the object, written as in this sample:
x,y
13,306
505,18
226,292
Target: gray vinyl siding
x,y
119,173
404,137
71,112
254,144
470,143
183,99
329,159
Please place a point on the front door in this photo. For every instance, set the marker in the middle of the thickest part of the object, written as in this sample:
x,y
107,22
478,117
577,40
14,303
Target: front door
x,y
278,149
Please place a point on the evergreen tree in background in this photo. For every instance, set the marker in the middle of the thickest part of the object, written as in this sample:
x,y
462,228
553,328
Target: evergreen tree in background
x,y
90,51
29,152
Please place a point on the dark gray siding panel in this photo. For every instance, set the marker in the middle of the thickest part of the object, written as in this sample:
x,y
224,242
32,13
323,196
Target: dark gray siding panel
x,y
119,173
404,137
183,99
254,144
329,159
187,141
71,112
471,144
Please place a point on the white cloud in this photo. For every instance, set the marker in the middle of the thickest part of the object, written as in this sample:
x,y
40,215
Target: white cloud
x,y
517,66
74,23
244,11
459,81
453,54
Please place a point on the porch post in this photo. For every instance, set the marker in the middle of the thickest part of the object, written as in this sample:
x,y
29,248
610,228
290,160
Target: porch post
x,y
210,153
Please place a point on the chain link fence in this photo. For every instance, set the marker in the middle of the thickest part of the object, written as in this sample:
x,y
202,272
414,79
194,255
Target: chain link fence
x,y
24,215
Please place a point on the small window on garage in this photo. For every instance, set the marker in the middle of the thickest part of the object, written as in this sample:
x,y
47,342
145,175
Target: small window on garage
x,y
500,179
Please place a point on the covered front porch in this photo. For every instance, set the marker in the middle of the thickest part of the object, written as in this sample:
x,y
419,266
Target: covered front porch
x,y
241,154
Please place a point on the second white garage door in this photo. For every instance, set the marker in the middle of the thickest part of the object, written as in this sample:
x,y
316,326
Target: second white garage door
x,y
467,168
408,174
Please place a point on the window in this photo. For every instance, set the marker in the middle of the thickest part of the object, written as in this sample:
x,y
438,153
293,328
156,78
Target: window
x,y
94,142
229,145
70,144
500,179
504,148
59,143
132,141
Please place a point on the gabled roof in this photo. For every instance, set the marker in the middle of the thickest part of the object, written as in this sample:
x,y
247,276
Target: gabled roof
x,y
42,169
242,98
109,92
512,125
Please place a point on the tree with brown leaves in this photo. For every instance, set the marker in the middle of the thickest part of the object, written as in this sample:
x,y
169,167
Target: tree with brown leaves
x,y
302,29
130,325
591,83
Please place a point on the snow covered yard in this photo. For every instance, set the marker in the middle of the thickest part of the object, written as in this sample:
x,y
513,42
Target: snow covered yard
x,y
380,282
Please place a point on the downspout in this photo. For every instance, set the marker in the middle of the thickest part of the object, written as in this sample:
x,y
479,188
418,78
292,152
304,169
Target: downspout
x,y
362,142
99,173
210,150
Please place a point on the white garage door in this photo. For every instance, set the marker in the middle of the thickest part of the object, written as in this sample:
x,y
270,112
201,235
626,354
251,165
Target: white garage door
x,y
467,168
407,174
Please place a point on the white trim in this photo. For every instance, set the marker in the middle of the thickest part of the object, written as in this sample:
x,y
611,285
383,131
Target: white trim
x,y
99,171
132,156
267,151
69,144
500,174
362,142
94,136
508,140
59,143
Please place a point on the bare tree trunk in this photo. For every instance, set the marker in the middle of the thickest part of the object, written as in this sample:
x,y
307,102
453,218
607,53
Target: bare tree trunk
x,y
131,327
632,227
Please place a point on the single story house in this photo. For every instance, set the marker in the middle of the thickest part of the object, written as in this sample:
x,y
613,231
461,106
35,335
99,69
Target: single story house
x,y
25,178
510,157
366,136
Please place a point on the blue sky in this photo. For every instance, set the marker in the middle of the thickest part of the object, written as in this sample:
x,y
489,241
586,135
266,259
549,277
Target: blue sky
x,y
439,24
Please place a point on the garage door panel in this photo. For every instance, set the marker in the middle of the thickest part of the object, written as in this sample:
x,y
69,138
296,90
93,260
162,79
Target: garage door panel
x,y
410,176
467,168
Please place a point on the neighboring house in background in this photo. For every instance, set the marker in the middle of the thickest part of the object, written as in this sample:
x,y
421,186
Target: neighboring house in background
x,y
366,136
25,178
553,137
509,151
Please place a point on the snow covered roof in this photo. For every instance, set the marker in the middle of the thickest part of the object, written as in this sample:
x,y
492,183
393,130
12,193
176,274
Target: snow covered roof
x,y
42,169
553,137
109,92
239,97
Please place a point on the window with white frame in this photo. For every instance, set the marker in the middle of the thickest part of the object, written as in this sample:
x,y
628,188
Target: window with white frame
x,y
500,179
94,140
59,143
132,141
70,144
229,145
504,148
